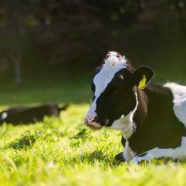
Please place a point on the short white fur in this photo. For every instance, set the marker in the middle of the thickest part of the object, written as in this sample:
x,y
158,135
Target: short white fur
x,y
128,153
179,100
176,153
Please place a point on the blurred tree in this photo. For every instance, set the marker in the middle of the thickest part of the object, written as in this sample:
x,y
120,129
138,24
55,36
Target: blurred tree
x,y
40,34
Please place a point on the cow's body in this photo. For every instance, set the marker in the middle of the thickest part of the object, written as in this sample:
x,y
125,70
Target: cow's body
x,y
152,121
160,128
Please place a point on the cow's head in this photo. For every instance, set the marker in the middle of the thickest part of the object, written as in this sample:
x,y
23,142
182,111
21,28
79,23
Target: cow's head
x,y
114,88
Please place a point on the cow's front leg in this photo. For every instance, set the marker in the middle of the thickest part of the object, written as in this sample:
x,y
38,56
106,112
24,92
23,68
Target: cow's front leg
x,y
127,155
120,157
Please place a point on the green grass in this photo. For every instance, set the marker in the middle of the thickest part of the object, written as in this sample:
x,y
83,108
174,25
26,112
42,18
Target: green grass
x,y
62,151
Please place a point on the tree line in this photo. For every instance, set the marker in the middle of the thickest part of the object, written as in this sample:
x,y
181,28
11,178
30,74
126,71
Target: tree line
x,y
45,33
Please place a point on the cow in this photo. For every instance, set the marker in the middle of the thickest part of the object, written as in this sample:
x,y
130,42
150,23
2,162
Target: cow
x,y
29,114
151,117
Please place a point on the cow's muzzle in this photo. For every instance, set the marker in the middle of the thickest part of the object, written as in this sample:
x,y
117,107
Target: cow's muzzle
x,y
90,121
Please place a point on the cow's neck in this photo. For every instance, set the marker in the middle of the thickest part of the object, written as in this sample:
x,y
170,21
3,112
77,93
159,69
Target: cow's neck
x,y
142,109
127,122
150,100
135,119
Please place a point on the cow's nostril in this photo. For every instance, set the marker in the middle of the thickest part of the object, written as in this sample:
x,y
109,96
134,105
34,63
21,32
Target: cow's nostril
x,y
89,119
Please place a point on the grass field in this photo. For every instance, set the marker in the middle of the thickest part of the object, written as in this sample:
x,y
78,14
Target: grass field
x,y
62,151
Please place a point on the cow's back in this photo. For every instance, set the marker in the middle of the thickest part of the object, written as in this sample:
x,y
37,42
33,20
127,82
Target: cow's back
x,y
179,100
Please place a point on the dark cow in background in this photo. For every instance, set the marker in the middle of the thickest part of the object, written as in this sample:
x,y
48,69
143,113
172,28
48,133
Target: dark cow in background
x,y
152,118
30,114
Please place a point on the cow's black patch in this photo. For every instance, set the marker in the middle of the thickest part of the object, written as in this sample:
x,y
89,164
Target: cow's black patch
x,y
157,125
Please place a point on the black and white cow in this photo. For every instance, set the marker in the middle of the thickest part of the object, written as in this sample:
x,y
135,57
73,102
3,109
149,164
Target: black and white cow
x,y
152,118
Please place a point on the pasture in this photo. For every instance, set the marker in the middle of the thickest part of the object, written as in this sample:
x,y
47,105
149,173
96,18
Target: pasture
x,y
62,151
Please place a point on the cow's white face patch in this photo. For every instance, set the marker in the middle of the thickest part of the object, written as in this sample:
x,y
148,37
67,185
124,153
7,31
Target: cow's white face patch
x,y
114,62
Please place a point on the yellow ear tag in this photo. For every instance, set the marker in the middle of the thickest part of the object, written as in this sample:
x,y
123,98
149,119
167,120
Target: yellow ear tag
x,y
142,83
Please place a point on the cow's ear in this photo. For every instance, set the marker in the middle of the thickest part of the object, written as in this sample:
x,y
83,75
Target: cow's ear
x,y
142,76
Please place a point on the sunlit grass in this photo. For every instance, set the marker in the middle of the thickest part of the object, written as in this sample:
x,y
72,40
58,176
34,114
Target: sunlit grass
x,y
64,152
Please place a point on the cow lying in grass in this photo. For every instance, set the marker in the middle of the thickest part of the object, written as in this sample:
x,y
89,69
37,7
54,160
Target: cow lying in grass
x,y
28,115
152,118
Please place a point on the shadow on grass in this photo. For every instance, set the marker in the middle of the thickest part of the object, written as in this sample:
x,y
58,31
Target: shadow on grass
x,y
95,156
24,142
99,156
90,158
156,162
80,137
